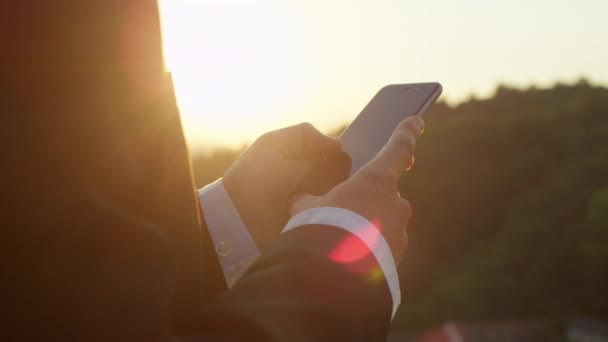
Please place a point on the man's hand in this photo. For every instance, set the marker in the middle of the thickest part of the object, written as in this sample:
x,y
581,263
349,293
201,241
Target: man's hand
x,y
264,177
372,191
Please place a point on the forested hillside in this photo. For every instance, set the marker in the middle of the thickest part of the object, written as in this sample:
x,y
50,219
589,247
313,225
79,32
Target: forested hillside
x,y
510,202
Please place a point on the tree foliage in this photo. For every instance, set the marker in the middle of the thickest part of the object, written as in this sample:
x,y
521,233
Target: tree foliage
x,y
510,202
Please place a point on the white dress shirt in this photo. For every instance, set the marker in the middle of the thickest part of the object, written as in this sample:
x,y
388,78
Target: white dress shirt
x,y
237,250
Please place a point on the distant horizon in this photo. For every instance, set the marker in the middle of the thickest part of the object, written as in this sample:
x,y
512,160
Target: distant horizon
x,y
244,67
201,147
199,144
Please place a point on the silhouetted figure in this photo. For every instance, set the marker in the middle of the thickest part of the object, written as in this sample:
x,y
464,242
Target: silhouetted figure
x,y
102,237
99,192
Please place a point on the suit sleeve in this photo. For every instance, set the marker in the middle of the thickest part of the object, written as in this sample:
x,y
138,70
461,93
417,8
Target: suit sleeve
x,y
302,289
102,242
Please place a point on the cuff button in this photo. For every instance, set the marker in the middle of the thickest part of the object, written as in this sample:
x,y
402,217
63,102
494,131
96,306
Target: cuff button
x,y
222,249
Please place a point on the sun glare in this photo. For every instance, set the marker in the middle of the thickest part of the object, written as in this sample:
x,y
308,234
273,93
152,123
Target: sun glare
x,y
244,67
231,65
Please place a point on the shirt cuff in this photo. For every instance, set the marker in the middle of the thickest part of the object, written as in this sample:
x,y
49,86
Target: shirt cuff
x,y
234,246
364,230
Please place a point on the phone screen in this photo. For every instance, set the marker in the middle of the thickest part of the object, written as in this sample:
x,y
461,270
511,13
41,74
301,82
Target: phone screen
x,y
370,131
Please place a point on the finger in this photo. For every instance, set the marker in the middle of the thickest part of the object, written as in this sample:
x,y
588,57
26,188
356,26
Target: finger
x,y
405,210
299,203
411,164
397,154
421,124
303,141
398,248
405,243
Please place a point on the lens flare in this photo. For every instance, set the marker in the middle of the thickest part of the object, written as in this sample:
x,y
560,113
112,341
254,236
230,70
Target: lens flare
x,y
376,275
351,249
356,255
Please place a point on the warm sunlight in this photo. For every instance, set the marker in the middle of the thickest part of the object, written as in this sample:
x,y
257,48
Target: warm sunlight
x,y
233,67
243,67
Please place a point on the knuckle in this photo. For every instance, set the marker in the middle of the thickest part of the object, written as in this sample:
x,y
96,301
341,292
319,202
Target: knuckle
x,y
412,126
405,209
405,205
399,248
306,126
265,138
409,125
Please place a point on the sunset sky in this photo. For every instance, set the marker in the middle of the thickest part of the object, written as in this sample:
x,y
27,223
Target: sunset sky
x,y
243,67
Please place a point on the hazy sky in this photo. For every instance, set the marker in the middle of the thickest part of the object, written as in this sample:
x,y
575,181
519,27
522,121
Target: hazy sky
x,y
243,67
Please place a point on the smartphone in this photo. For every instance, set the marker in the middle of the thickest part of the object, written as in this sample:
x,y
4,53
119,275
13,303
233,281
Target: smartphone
x,y
370,131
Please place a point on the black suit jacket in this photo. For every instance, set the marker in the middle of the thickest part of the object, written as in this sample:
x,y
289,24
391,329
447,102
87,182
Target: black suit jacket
x,y
102,240
102,235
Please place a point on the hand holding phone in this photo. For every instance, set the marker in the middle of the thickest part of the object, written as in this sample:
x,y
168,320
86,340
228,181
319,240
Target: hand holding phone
x,y
371,192
369,132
